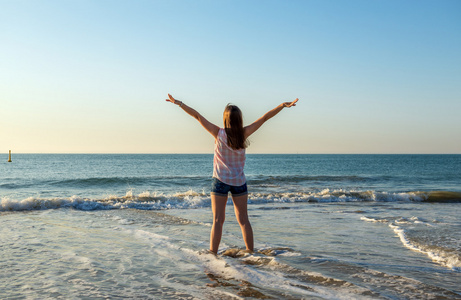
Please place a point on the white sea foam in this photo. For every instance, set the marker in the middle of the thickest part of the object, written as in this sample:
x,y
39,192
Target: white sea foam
x,y
339,195
439,255
32,203
373,220
445,257
289,254
145,194
274,274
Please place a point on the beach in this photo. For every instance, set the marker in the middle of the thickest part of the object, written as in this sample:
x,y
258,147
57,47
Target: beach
x,y
137,226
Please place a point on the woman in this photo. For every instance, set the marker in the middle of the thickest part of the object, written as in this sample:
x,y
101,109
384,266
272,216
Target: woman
x,y
228,164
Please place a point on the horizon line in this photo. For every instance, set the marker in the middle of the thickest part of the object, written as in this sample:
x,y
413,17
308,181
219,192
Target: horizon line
x,y
210,153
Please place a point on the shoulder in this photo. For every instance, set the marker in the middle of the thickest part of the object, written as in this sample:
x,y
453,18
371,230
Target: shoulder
x,y
221,134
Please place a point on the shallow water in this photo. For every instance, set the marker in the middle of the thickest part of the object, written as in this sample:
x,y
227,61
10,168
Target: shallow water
x,y
325,233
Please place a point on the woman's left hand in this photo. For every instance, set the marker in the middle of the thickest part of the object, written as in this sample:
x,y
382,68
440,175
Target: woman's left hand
x,y
290,104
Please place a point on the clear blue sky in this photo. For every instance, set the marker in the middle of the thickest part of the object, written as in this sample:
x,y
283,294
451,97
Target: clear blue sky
x,y
92,76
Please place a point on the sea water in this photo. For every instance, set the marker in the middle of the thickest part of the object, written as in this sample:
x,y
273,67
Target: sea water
x,y
137,226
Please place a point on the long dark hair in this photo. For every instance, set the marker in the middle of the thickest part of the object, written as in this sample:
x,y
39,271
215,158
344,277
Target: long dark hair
x,y
233,124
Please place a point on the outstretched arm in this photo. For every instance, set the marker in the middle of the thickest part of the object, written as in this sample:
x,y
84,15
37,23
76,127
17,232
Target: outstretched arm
x,y
250,129
210,127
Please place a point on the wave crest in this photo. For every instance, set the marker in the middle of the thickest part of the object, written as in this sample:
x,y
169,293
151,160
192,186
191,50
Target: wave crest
x,y
192,199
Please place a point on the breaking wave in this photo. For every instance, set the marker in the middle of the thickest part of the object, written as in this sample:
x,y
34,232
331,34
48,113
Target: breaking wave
x,y
192,199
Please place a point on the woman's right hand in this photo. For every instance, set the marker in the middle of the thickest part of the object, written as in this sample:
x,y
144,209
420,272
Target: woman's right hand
x,y
290,104
173,100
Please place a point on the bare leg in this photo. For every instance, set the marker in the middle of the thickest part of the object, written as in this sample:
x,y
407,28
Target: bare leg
x,y
218,205
241,213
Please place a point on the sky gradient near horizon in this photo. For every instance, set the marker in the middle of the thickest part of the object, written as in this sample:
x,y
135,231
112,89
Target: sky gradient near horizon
x,y
92,76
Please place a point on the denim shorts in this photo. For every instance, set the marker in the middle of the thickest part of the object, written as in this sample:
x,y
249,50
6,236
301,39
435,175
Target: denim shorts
x,y
221,189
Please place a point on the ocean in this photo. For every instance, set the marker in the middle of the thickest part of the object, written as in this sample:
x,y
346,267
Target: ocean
x,y
117,226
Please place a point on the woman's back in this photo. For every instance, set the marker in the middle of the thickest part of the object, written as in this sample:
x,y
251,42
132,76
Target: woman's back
x,y
228,163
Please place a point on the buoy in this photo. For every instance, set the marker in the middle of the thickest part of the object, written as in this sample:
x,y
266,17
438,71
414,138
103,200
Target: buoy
x,y
9,157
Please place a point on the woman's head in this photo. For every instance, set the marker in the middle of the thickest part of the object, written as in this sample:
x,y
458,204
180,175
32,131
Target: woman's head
x,y
232,116
233,124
